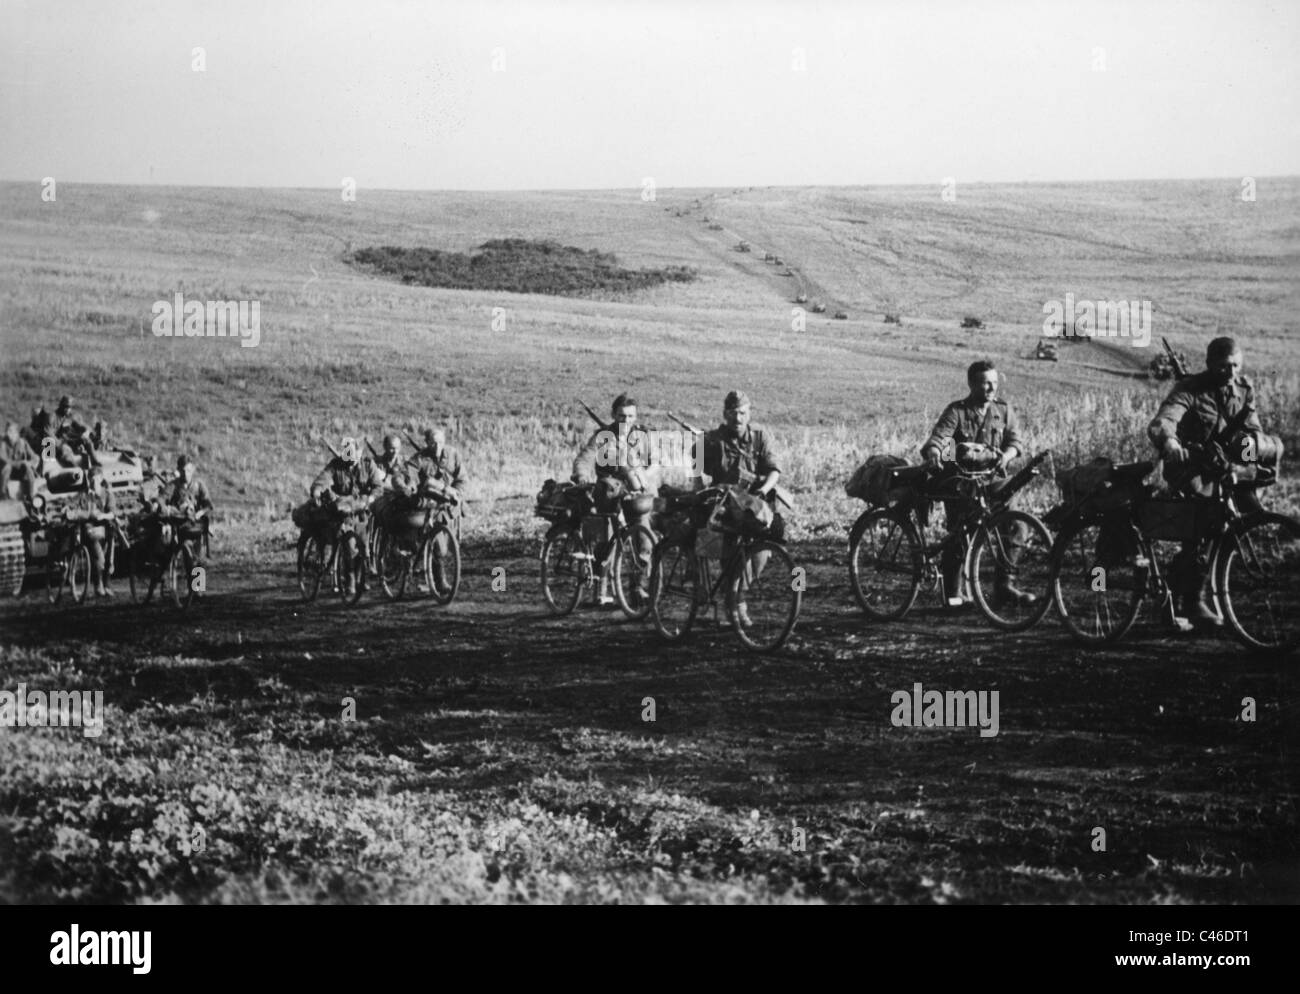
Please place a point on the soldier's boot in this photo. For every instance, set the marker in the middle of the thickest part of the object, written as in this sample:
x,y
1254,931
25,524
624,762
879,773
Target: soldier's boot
x,y
600,595
1197,605
1004,586
950,567
440,583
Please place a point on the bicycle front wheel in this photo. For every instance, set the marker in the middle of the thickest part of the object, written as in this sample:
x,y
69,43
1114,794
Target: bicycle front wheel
x,y
181,570
311,564
78,577
885,563
350,568
1011,571
632,571
1098,577
1258,577
440,560
394,559
674,588
767,593
566,569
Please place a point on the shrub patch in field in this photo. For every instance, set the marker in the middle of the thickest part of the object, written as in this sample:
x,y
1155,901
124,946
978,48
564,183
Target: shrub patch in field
x,y
516,265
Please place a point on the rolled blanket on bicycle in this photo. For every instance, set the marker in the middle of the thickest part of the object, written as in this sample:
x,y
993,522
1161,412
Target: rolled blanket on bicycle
x,y
743,512
1180,519
975,457
883,480
560,501
403,513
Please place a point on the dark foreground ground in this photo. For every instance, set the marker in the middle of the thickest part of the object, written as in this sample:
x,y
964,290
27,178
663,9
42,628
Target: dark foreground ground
x,y
498,754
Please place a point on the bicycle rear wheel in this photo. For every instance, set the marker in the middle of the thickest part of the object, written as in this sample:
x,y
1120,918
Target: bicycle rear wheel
x,y
674,588
1258,578
766,596
632,571
885,563
566,570
1012,547
1098,578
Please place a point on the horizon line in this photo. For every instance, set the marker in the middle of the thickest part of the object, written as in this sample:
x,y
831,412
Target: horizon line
x,y
637,188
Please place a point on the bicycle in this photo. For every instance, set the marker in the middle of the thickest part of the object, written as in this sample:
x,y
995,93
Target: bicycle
x,y
165,554
755,573
68,566
890,559
336,548
571,564
419,540
1105,561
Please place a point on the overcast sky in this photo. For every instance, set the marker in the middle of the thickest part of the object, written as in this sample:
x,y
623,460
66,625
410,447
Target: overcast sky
x,y
512,95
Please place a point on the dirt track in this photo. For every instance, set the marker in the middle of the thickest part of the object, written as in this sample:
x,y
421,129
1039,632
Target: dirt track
x,y
1142,740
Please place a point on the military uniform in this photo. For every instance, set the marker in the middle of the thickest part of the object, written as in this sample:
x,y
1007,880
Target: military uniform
x,y
190,496
1196,411
968,420
971,420
17,462
734,459
98,500
605,456
442,465
347,479
393,466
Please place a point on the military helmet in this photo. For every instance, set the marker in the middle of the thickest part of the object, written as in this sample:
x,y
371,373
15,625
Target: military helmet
x,y
392,443
65,405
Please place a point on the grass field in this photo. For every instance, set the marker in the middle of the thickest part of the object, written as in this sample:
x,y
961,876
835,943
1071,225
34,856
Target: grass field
x,y
500,755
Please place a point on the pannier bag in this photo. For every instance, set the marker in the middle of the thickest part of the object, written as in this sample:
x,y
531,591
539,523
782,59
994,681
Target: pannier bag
x,y
1181,519
883,480
1107,487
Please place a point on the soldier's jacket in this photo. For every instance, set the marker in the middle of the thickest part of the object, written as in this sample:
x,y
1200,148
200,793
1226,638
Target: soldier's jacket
x,y
965,421
16,453
443,465
602,456
69,426
99,499
193,494
727,457
1198,409
347,479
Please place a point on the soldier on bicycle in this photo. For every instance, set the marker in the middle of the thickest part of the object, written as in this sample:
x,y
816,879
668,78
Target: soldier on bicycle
x,y
346,475
438,473
392,464
739,453
96,499
981,418
1196,413
616,458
